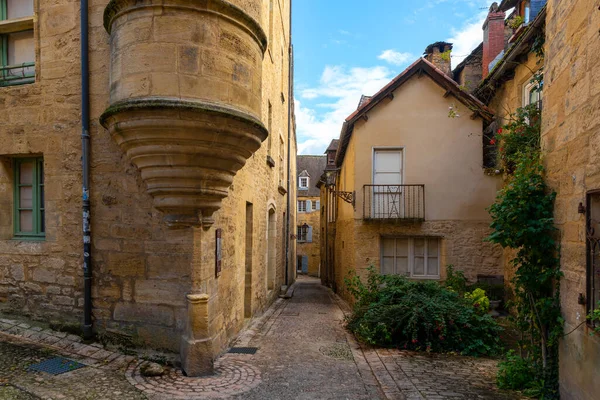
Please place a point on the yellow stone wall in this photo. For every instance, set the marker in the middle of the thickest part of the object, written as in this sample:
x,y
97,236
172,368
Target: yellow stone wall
x,y
570,140
142,269
456,193
312,249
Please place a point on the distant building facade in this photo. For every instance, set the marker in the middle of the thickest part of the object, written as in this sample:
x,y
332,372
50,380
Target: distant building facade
x,y
309,233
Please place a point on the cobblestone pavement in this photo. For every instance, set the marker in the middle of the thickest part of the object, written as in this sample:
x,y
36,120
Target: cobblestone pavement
x,y
304,352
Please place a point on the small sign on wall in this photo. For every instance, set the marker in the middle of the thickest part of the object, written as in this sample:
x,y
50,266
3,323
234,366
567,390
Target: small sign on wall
x,y
218,252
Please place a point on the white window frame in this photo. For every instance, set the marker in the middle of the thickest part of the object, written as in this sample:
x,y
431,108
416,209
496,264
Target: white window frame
x,y
411,255
302,206
527,89
300,182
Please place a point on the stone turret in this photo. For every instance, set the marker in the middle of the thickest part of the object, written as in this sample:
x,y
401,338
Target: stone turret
x,y
185,97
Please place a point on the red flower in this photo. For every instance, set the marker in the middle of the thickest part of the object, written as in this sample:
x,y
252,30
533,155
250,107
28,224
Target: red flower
x,y
501,149
493,141
500,130
415,341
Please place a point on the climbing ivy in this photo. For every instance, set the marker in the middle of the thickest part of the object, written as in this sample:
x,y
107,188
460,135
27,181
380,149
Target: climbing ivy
x,y
523,220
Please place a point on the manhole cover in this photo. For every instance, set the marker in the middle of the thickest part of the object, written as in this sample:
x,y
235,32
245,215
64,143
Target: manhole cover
x,y
339,351
243,350
56,366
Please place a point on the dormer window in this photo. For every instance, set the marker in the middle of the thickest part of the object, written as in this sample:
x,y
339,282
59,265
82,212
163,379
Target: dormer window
x,y
331,158
303,182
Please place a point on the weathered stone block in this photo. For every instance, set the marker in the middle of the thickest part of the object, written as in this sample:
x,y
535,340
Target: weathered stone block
x,y
126,264
132,312
160,292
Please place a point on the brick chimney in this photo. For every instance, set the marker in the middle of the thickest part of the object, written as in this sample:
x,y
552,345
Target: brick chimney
x,y
493,37
438,54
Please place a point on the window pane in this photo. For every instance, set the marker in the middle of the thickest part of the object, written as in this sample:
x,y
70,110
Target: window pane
x,y
26,221
388,247
419,247
26,197
42,221
419,267
387,266
21,49
433,266
41,190
26,173
19,8
402,266
402,247
432,247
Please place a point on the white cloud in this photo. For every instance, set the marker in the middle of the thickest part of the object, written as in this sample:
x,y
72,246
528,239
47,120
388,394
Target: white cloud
x,y
467,38
339,91
395,57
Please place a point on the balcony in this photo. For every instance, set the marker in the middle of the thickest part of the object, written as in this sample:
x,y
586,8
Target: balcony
x,y
19,74
394,202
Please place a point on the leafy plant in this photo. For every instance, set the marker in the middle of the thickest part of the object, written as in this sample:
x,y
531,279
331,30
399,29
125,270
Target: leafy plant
x,y
479,300
516,22
455,280
523,220
515,372
391,310
594,318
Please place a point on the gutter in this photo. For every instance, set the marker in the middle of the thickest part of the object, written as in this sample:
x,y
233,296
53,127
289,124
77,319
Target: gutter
x,y
289,150
85,163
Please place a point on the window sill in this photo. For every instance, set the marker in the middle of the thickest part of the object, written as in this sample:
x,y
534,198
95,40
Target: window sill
x,y
16,25
29,238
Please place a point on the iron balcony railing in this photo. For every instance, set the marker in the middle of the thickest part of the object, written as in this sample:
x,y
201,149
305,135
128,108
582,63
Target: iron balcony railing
x,y
19,74
394,202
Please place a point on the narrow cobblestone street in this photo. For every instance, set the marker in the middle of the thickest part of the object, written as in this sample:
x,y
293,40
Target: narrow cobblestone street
x,y
303,352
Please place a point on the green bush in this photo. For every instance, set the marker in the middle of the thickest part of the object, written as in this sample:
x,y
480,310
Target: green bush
x,y
479,300
517,373
394,311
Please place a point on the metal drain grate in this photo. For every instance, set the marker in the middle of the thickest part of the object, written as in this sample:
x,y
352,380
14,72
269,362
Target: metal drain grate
x,y
243,350
56,366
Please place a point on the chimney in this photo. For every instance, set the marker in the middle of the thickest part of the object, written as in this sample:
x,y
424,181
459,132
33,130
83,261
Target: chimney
x,y
493,37
439,54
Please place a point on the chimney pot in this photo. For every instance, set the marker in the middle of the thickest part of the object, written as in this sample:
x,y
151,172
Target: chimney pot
x,y
439,54
493,36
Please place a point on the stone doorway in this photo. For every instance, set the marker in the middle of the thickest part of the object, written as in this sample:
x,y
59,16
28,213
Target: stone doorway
x,y
248,278
271,249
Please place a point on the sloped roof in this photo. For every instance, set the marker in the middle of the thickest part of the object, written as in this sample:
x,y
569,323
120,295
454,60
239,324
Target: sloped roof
x,y
477,53
333,146
363,100
421,66
313,167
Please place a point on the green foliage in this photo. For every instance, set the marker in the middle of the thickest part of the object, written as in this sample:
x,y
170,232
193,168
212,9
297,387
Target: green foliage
x,y
479,300
515,372
520,135
446,55
455,280
594,318
523,220
516,22
394,311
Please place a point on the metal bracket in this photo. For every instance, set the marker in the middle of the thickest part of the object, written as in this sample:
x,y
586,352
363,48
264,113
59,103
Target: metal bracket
x,y
348,197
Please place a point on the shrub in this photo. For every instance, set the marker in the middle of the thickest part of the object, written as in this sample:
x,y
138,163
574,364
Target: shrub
x,y
516,373
394,311
455,280
479,300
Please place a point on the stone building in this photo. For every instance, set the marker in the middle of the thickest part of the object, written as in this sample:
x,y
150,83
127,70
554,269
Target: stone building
x,y
410,193
570,133
309,232
571,145
191,168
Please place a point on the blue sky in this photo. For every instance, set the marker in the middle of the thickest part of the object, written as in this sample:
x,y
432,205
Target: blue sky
x,y
345,48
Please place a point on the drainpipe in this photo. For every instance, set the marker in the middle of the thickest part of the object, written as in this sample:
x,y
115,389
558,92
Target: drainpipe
x,y
85,161
289,151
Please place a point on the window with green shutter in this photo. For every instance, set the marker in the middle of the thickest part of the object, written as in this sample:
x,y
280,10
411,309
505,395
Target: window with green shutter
x,y
29,215
17,43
